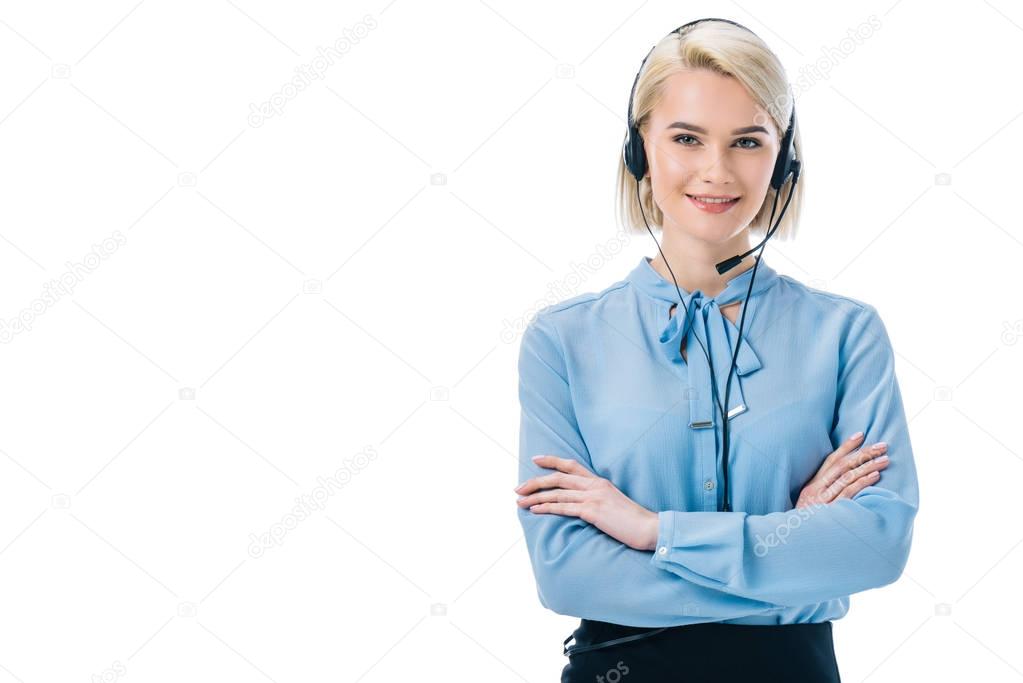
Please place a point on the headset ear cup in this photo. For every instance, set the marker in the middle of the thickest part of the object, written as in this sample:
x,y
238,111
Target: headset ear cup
x,y
786,156
635,155
781,170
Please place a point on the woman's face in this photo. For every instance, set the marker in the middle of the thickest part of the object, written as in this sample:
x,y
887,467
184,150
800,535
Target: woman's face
x,y
708,137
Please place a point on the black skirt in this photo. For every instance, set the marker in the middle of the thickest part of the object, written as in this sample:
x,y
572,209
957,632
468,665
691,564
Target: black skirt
x,y
701,653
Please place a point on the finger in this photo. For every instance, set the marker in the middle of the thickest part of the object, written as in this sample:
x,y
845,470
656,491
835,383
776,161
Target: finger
x,y
855,474
563,464
864,454
571,509
552,481
844,448
860,471
874,464
825,495
551,496
545,481
858,485
842,451
850,462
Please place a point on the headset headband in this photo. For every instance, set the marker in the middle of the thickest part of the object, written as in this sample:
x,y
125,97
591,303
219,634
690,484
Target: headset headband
x,y
634,154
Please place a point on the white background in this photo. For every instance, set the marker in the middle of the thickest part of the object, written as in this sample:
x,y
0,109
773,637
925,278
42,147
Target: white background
x,y
326,292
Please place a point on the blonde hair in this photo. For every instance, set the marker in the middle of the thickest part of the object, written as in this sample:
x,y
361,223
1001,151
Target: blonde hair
x,y
728,50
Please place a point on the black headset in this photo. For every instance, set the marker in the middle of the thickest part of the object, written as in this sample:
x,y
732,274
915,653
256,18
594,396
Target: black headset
x,y
635,156
785,165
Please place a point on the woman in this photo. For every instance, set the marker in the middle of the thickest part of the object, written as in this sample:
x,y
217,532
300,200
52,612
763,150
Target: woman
x,y
691,547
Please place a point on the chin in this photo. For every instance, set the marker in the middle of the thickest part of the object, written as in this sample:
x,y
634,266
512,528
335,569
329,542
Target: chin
x,y
708,228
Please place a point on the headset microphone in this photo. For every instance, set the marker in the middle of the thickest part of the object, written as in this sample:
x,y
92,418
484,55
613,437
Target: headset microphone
x,y
732,262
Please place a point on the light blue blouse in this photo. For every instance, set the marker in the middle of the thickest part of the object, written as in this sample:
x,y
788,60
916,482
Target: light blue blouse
x,y
602,381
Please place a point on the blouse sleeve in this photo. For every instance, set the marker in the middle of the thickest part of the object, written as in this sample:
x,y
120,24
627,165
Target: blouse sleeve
x,y
581,571
821,552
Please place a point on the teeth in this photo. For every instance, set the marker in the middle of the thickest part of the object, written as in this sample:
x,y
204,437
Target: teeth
x,y
709,200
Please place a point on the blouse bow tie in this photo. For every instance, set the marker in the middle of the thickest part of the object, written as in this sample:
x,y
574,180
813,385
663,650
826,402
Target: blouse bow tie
x,y
717,334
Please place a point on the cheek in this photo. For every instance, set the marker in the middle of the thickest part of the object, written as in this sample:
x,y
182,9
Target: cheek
x,y
764,170
669,166
755,173
672,179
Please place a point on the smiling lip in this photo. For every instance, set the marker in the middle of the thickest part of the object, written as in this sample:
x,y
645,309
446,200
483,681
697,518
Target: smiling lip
x,y
714,207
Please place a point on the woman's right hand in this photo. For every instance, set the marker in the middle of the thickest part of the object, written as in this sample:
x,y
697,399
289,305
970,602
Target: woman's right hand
x,y
845,473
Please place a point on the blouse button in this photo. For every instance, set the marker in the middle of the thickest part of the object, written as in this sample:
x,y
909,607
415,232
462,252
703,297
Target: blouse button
x,y
709,484
662,550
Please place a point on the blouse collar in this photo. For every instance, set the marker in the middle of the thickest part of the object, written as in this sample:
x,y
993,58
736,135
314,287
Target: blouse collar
x,y
712,329
654,284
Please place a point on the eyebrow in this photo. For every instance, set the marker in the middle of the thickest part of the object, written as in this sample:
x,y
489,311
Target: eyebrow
x,y
700,129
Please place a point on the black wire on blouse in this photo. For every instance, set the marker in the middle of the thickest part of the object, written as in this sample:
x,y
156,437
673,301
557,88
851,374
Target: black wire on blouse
x,y
742,322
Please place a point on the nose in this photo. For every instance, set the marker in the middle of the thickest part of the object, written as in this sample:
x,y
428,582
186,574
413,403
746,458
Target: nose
x,y
715,168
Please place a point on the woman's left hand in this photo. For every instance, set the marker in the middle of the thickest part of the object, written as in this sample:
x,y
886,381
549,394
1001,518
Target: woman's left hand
x,y
575,491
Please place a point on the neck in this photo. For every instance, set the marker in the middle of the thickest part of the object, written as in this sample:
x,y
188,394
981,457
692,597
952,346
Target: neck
x,y
693,261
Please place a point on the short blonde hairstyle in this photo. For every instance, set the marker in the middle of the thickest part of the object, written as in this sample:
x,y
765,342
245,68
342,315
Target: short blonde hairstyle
x,y
730,51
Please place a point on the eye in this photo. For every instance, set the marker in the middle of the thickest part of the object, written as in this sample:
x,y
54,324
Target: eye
x,y
755,145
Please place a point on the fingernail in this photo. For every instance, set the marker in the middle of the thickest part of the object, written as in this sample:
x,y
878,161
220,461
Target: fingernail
x,y
874,475
883,458
855,436
880,444
537,457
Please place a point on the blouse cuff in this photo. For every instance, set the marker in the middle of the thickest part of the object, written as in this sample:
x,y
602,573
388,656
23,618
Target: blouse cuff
x,y
706,543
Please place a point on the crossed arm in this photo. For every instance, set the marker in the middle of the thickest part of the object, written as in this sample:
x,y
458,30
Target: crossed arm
x,y
721,565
